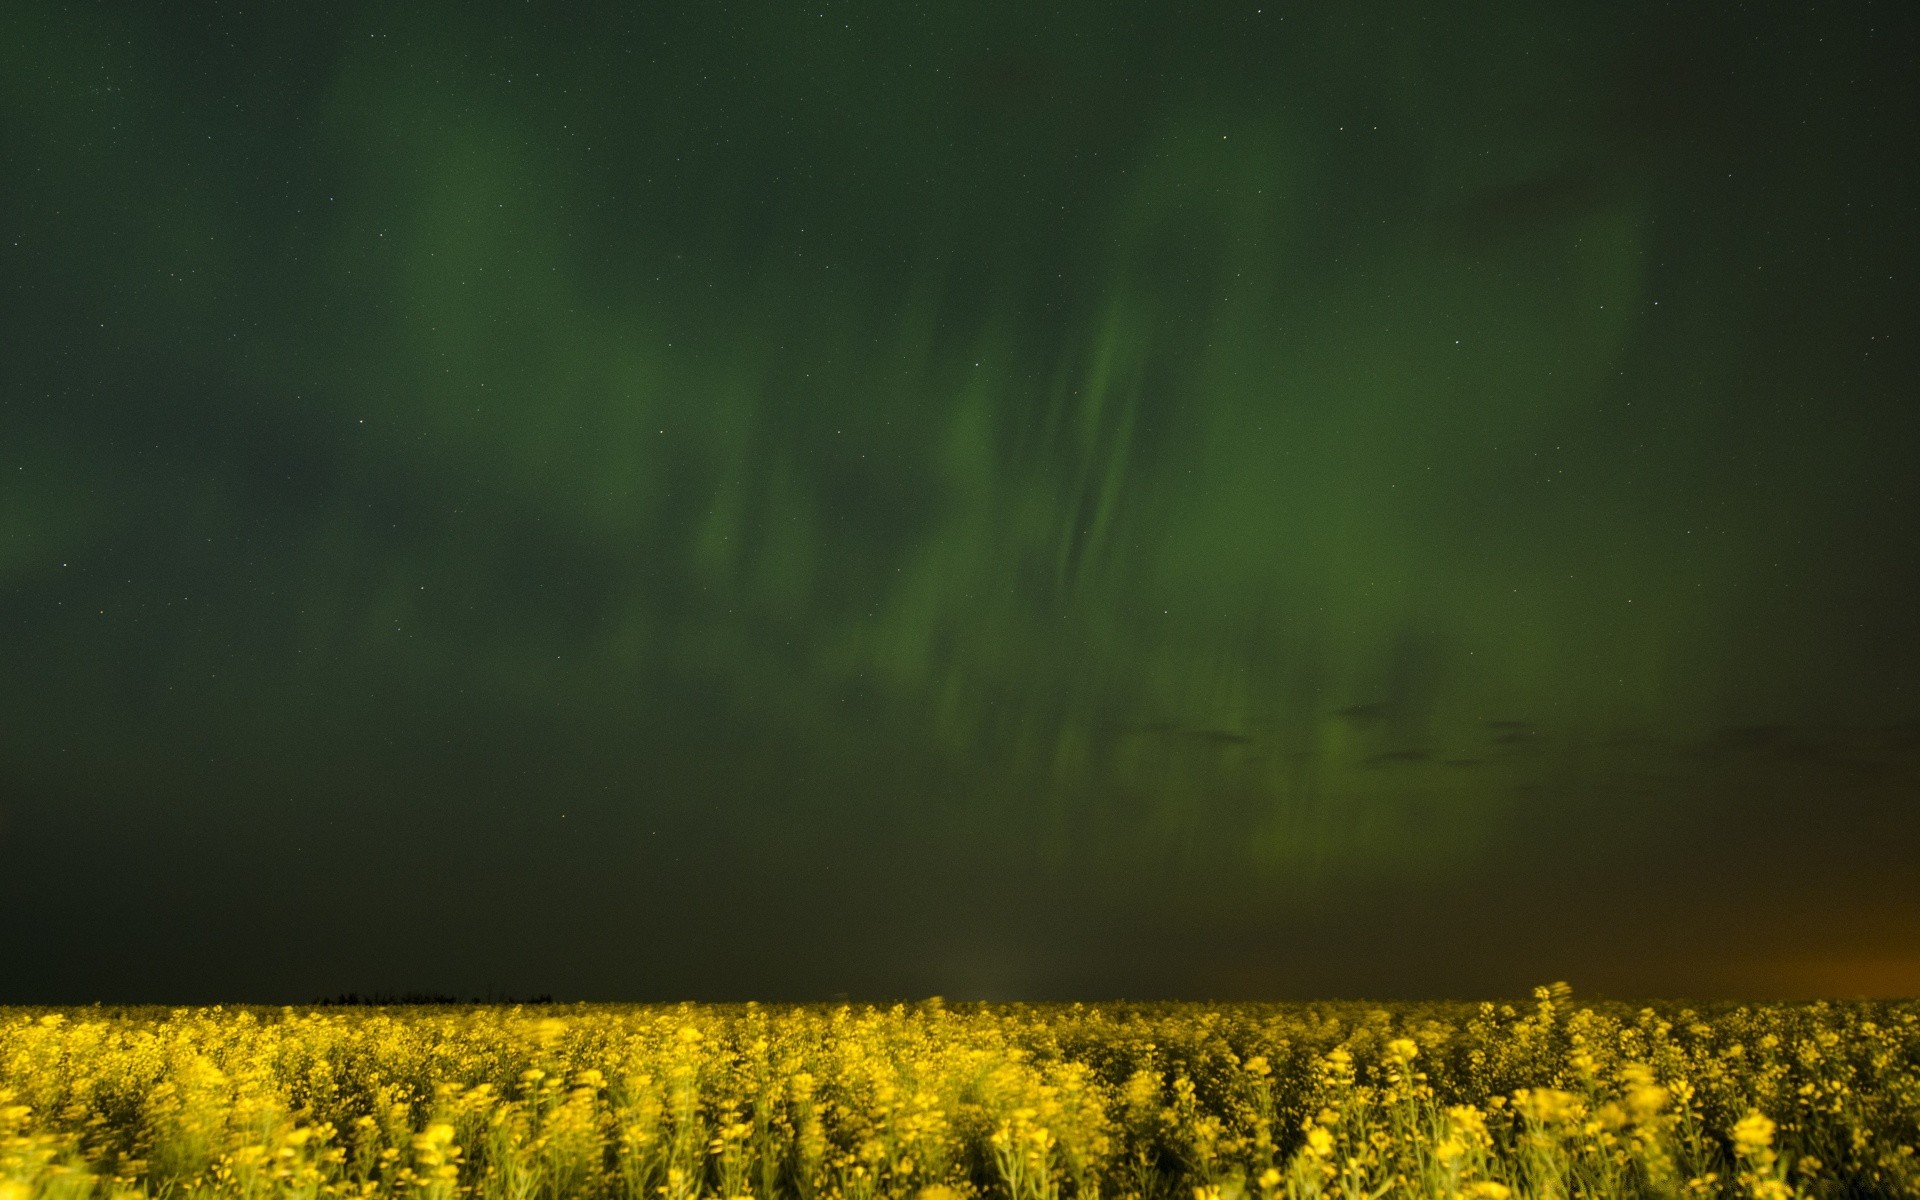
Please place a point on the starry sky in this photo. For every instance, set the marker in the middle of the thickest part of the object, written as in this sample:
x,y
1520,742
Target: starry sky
x,y
1004,500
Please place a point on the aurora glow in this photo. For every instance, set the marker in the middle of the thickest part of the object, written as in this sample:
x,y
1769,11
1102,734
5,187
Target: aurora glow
x,y
1097,501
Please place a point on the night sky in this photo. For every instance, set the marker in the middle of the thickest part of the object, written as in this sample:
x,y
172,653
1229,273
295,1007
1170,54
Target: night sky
x,y
1003,500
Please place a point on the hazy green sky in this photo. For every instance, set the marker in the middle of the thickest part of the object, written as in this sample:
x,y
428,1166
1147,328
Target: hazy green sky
x,y
996,499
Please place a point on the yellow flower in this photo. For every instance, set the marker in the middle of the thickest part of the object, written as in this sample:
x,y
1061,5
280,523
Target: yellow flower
x,y
1547,1105
1753,1135
1470,1122
1645,1098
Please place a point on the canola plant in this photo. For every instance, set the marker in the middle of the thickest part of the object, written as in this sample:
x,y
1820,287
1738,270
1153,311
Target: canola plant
x,y
931,1101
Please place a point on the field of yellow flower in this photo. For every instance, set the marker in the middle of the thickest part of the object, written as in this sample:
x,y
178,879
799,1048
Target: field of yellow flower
x,y
939,1102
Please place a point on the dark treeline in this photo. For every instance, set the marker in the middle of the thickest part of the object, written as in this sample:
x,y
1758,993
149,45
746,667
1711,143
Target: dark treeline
x,y
384,999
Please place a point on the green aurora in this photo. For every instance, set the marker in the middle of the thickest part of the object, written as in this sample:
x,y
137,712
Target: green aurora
x,y
990,499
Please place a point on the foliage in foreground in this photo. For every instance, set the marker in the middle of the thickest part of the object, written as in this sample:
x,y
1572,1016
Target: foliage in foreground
x,y
1129,1102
